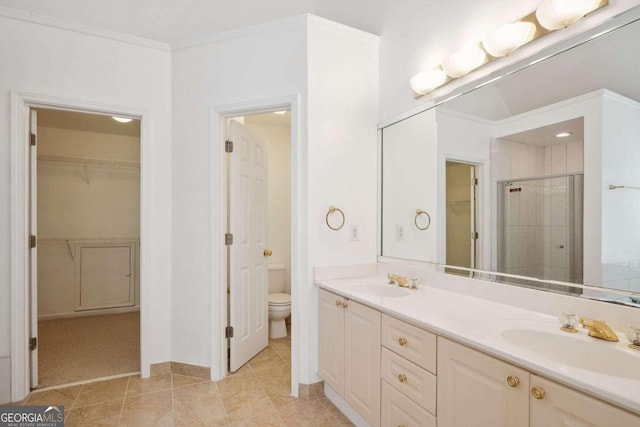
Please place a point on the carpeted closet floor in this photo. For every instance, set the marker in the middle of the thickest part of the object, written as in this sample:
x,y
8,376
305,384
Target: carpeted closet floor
x,y
83,348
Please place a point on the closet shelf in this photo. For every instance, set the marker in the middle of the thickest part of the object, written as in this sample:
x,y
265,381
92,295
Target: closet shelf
x,y
89,161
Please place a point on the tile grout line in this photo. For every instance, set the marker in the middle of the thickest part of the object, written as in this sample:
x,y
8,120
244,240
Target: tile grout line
x,y
173,402
126,389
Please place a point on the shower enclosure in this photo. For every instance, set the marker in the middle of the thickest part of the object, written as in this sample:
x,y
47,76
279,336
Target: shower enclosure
x,y
539,229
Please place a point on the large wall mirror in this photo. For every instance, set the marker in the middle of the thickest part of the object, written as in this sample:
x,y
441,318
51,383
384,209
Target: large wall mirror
x,y
535,175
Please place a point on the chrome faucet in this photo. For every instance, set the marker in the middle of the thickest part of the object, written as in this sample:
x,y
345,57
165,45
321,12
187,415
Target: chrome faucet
x,y
403,282
599,329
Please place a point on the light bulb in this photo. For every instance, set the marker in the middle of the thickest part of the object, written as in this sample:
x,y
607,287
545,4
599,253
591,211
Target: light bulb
x,y
464,61
426,81
121,119
505,40
556,14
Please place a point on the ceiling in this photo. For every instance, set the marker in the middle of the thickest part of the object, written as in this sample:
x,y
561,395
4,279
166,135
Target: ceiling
x,y
86,122
546,136
173,20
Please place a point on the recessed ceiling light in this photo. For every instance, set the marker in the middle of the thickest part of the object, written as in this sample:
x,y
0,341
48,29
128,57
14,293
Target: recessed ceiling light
x,y
564,134
121,119
280,112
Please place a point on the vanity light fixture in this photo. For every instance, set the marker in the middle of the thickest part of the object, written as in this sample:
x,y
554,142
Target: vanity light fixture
x,y
557,14
464,61
505,40
426,81
564,134
551,15
121,119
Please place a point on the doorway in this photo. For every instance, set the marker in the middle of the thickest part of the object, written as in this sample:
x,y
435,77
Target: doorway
x,y
85,258
258,154
461,216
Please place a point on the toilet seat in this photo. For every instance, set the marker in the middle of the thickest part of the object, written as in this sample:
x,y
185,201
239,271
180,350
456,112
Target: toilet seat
x,y
279,299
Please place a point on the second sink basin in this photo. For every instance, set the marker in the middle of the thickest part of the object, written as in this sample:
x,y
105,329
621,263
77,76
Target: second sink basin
x,y
578,351
383,290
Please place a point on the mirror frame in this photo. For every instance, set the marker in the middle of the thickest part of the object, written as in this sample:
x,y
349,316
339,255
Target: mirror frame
x,y
625,18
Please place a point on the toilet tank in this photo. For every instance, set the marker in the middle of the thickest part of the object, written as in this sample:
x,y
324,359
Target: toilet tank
x,y
277,278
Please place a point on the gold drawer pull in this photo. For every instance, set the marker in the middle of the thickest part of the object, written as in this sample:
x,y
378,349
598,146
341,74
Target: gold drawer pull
x,y
538,392
402,341
402,378
513,381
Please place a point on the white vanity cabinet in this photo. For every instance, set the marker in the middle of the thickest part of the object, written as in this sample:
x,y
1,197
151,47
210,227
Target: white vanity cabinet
x,y
561,406
349,352
475,389
408,374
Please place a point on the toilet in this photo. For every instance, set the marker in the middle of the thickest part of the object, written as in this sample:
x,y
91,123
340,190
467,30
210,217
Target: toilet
x,y
279,301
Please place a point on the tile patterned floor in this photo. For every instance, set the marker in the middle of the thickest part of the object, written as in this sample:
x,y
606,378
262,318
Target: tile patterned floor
x,y
256,395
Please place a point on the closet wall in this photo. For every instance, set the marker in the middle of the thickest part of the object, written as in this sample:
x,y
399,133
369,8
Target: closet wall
x,y
88,220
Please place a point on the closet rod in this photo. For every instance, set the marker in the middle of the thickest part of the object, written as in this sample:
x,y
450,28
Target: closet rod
x,y
89,161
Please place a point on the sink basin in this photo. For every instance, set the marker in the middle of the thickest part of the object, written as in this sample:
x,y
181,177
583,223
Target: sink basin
x,y
578,351
379,290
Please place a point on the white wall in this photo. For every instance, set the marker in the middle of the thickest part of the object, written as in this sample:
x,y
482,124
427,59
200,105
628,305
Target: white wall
x,y
278,140
333,70
621,207
67,64
252,67
417,35
69,208
342,153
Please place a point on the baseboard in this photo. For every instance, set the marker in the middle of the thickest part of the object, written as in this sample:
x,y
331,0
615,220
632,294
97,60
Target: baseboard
x,y
89,313
345,408
311,391
177,368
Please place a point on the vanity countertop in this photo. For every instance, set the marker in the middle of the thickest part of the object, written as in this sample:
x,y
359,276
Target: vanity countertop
x,y
481,324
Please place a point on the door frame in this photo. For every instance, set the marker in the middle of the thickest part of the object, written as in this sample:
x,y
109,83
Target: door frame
x,y
483,213
21,102
218,222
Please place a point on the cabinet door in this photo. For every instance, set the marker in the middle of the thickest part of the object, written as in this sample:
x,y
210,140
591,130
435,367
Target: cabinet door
x,y
563,407
362,361
473,390
331,340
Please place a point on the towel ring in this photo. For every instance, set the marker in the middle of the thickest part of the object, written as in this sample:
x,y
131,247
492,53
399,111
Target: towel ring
x,y
415,221
332,210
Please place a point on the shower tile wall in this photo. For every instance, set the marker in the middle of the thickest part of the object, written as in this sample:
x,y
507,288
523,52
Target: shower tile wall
x,y
536,227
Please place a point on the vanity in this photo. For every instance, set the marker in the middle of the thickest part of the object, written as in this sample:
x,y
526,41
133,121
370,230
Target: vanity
x,y
429,356
513,201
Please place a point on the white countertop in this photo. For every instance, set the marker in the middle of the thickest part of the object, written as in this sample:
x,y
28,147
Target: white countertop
x,y
479,323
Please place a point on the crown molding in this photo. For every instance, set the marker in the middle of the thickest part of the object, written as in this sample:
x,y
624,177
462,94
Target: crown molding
x,y
250,30
82,29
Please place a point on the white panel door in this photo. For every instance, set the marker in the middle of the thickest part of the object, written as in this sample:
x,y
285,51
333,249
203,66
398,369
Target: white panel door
x,y
33,227
248,287
563,407
474,390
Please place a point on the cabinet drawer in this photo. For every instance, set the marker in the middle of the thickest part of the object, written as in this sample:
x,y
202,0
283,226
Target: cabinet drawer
x,y
410,379
398,410
415,344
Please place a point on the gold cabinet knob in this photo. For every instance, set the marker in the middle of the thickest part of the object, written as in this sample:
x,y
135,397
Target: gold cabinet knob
x,y
338,303
267,252
345,305
402,378
538,392
513,381
402,341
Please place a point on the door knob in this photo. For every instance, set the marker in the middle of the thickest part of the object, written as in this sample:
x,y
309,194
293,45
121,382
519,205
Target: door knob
x,y
267,252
